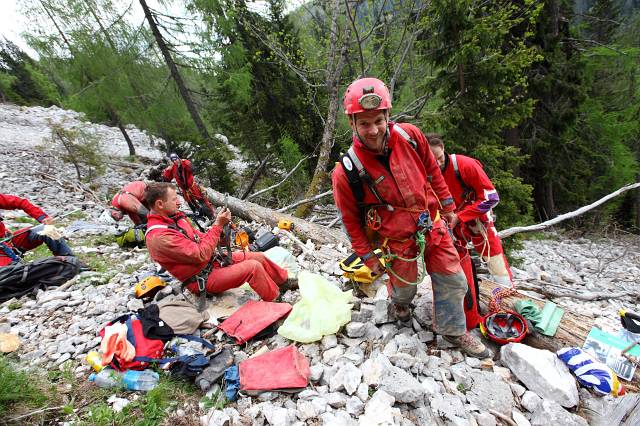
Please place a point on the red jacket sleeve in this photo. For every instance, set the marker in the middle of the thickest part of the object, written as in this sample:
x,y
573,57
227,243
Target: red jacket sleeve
x,y
12,202
486,196
167,174
431,166
348,207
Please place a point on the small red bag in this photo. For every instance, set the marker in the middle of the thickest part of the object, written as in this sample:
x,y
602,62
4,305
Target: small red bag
x,y
253,317
145,347
283,368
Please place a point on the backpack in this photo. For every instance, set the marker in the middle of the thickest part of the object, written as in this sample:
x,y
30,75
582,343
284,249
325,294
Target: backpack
x,y
19,279
131,237
148,350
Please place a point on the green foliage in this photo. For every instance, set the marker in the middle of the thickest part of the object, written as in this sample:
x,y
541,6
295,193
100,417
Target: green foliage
x,y
21,80
17,388
80,149
6,87
481,55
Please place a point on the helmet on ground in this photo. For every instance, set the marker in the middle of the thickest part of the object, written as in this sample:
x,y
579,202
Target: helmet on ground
x,y
116,214
173,156
149,286
504,327
366,94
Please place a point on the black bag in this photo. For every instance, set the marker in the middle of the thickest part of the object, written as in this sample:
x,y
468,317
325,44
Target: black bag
x,y
21,278
264,242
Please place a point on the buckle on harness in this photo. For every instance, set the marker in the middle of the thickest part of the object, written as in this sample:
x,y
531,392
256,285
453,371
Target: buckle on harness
x,y
425,224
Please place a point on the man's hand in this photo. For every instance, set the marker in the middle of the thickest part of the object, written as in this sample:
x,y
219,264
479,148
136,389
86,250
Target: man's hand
x,y
374,264
223,217
48,220
454,222
448,216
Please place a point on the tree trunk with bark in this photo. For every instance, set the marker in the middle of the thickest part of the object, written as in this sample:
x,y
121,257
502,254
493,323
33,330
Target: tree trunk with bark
x,y
572,331
255,177
254,212
335,65
175,74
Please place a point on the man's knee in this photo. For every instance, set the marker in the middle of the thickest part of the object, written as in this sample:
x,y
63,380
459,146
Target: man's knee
x,y
403,295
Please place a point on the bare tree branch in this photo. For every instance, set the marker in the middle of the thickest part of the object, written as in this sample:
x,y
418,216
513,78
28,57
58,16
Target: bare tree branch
x,y
355,32
540,226
305,201
272,187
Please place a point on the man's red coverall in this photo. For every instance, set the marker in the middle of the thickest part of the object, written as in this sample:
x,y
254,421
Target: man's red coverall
x,y
184,252
129,200
30,239
409,180
475,202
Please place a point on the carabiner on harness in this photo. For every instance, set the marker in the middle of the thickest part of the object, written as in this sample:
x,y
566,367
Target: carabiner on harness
x,y
374,221
425,224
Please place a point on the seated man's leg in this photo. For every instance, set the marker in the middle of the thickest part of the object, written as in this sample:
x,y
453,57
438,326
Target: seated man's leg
x,y
278,275
244,269
57,247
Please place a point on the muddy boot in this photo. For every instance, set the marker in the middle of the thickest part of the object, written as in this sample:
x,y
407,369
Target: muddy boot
x,y
290,284
215,370
470,345
402,312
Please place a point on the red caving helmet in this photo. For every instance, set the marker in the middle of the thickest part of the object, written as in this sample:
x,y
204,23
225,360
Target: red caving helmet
x,y
366,94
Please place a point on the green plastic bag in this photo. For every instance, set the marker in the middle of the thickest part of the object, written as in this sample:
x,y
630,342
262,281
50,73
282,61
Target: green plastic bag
x,y
322,309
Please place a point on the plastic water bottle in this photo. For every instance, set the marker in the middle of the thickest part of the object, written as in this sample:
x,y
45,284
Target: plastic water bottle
x,y
107,378
95,361
130,380
144,380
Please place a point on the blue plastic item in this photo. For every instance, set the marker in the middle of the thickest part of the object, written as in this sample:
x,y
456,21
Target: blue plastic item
x,y
590,372
232,379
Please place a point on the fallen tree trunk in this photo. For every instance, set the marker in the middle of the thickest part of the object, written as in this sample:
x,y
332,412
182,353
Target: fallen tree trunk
x,y
254,212
572,331
542,288
544,225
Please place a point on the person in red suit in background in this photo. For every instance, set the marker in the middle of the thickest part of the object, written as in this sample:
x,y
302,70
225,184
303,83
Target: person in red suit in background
x,y
129,200
181,170
475,196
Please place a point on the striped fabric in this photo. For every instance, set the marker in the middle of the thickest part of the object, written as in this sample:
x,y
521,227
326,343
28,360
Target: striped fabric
x,y
590,372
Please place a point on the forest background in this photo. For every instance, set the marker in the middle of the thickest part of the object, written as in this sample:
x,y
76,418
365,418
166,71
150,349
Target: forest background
x,y
546,94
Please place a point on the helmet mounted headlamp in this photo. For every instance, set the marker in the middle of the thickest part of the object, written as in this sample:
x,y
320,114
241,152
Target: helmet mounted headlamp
x,y
370,100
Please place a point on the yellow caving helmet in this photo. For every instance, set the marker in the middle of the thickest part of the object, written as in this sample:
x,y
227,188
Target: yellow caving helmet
x,y
149,286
